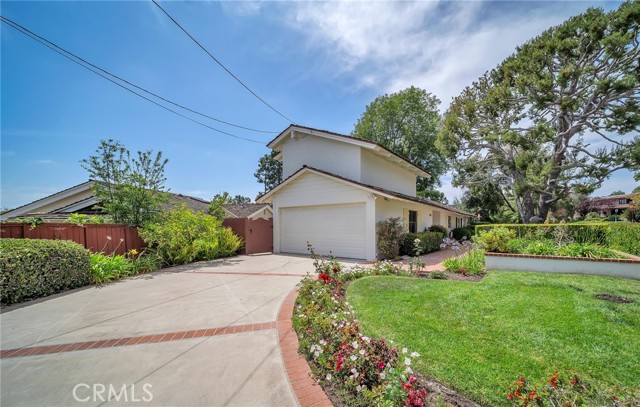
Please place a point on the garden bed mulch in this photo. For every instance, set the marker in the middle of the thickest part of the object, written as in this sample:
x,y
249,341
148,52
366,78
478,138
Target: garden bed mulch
x,y
451,276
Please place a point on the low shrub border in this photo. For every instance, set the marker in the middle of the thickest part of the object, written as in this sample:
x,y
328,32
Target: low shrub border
x,y
34,268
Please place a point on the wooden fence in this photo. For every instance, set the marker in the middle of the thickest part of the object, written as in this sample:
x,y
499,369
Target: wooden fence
x,y
106,238
257,234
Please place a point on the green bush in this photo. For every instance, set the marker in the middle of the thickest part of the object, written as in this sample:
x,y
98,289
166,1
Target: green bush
x,y
461,233
471,263
438,228
623,236
106,268
592,216
429,242
183,236
549,247
33,268
389,233
145,262
496,240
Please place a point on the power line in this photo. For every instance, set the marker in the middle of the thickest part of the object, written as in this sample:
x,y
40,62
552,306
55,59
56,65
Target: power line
x,y
35,38
133,84
220,63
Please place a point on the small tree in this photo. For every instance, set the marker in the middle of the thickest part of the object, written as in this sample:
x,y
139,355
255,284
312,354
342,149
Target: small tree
x,y
269,171
389,232
131,190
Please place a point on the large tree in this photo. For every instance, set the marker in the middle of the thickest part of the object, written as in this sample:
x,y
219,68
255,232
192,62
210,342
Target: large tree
x,y
130,189
406,123
552,118
269,171
216,207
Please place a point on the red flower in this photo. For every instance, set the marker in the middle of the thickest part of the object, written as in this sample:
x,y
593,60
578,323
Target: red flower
x,y
510,396
325,278
517,393
380,365
532,395
407,386
412,379
336,269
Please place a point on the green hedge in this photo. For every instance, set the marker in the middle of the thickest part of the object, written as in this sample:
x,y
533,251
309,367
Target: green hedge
x,y
623,236
33,268
460,233
429,242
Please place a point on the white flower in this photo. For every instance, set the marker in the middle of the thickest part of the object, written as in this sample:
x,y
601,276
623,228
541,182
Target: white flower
x,y
354,357
382,375
323,343
407,361
329,377
355,345
362,352
404,350
414,354
358,388
408,370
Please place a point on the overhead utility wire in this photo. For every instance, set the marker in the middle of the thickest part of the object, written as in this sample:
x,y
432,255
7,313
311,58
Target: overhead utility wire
x,y
220,63
134,85
8,22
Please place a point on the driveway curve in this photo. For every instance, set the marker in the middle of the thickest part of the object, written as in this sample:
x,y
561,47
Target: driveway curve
x,y
196,335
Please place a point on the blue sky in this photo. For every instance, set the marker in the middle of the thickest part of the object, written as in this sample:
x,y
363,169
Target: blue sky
x,y
319,63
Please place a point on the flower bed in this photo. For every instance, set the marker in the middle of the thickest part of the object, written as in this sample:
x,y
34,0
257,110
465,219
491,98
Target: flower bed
x,y
361,371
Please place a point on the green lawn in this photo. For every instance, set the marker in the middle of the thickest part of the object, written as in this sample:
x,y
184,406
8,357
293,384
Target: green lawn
x,y
478,337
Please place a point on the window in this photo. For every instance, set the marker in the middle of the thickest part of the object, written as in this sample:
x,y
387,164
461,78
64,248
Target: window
x,y
413,221
622,201
449,222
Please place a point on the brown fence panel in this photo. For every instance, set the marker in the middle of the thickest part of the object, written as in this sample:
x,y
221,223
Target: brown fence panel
x,y
106,238
257,234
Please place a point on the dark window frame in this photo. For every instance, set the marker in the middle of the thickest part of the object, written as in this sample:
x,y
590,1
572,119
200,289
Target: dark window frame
x,y
413,221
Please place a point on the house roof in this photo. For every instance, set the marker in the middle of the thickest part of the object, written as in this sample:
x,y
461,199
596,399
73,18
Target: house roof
x,y
368,144
193,203
370,188
245,210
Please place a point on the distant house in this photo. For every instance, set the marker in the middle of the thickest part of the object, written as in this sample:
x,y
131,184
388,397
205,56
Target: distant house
x,y
336,188
250,211
81,199
608,205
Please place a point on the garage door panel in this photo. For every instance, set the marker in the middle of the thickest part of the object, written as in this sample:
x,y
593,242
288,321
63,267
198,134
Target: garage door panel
x,y
339,229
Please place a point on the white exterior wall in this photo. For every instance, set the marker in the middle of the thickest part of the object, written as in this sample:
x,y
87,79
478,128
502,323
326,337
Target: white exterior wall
x,y
382,173
312,190
386,209
328,155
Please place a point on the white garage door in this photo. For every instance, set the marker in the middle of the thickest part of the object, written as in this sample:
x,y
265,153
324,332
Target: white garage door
x,y
336,228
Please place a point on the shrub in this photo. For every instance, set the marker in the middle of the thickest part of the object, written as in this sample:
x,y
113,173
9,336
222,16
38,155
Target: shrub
x,y
106,268
429,242
553,248
80,219
389,232
438,228
461,233
469,264
623,236
183,236
592,216
33,268
496,240
145,262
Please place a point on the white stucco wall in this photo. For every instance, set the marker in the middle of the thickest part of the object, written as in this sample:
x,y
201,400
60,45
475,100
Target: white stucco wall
x,y
380,172
313,190
328,155
395,208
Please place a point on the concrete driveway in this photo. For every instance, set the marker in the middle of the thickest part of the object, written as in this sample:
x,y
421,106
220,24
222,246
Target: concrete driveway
x,y
201,334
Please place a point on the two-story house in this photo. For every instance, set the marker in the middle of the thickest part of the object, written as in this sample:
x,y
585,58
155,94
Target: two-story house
x,y
336,188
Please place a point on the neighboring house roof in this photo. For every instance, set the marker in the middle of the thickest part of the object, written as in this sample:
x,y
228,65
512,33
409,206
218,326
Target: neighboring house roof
x,y
370,188
31,209
245,210
368,144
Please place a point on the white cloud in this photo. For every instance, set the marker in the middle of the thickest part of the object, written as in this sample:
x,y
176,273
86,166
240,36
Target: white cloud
x,y
45,162
441,47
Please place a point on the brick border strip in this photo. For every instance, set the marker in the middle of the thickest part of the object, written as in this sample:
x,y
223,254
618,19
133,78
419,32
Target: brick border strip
x,y
307,391
136,340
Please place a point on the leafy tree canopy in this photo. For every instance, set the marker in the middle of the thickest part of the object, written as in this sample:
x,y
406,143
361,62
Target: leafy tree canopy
x,y
269,171
406,123
636,190
530,125
130,189
618,192
216,207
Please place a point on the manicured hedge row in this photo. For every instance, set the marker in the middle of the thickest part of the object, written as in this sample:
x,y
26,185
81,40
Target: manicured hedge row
x,y
32,268
429,242
623,236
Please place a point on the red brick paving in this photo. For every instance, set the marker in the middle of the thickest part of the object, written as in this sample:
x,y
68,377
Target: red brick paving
x,y
307,391
137,340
